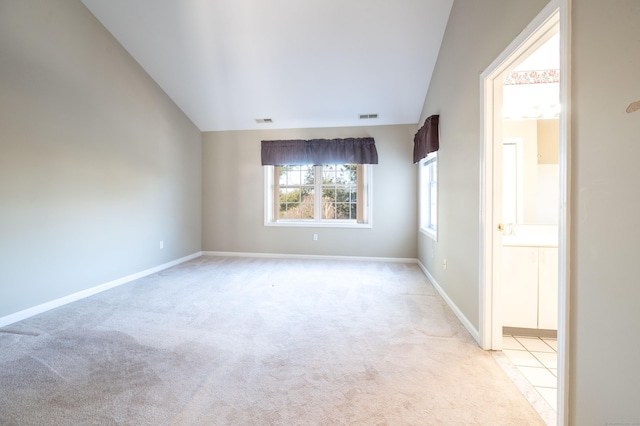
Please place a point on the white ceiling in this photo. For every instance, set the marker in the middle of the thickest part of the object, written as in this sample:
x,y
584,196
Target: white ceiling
x,y
302,63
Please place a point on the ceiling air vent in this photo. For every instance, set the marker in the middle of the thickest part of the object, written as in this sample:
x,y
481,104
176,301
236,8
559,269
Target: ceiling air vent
x,y
264,120
368,116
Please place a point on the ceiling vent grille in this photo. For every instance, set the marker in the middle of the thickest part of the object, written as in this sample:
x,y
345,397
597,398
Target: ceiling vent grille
x,y
264,120
368,116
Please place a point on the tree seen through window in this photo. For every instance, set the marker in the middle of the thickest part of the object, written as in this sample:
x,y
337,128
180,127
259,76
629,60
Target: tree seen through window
x,y
338,185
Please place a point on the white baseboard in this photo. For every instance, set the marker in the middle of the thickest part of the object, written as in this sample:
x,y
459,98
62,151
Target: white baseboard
x,y
29,312
463,319
310,257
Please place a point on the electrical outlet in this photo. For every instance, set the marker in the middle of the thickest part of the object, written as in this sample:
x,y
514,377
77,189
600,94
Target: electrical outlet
x,y
161,244
444,264
315,237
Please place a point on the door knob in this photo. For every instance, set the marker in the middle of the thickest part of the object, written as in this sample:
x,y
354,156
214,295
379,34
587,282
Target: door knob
x,y
500,227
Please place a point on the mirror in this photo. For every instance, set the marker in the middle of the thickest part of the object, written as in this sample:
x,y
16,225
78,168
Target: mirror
x,y
531,171
531,138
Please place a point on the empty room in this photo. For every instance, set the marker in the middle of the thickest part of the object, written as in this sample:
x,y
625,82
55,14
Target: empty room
x,y
281,213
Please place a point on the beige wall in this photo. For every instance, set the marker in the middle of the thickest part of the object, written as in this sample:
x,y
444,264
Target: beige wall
x,y
604,315
548,140
605,343
233,197
469,46
97,164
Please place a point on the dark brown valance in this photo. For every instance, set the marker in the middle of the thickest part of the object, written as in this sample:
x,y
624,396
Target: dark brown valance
x,y
426,140
319,152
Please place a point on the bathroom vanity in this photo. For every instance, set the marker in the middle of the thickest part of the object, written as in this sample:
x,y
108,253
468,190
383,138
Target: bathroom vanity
x,y
530,278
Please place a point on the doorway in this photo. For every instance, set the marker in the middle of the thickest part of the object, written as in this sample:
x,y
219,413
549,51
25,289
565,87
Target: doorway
x,y
506,223
529,211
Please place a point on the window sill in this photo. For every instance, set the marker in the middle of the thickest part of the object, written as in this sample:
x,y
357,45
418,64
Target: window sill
x,y
314,224
433,234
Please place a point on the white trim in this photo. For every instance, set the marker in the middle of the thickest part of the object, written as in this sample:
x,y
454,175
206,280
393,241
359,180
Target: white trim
x,y
463,319
429,233
269,200
486,223
432,157
29,312
564,246
311,257
521,43
318,224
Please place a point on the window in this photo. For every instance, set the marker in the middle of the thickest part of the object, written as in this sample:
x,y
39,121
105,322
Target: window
x,y
329,195
429,195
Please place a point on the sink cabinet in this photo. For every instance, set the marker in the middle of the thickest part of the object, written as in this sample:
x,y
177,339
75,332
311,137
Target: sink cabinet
x,y
548,288
530,287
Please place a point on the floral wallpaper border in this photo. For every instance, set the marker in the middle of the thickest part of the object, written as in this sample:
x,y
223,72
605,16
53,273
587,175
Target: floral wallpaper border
x,y
533,77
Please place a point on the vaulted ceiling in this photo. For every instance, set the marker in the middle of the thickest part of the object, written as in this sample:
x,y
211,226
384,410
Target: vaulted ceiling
x,y
301,63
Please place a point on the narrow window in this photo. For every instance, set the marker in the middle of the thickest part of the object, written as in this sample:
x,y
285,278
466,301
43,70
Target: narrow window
x,y
429,195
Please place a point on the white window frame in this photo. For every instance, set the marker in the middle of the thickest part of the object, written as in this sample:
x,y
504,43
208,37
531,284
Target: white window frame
x,y
428,174
365,190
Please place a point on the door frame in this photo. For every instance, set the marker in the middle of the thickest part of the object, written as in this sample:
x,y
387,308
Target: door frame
x,y
557,12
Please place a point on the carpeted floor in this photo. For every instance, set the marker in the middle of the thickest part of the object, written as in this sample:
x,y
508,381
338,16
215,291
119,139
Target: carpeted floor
x,y
243,341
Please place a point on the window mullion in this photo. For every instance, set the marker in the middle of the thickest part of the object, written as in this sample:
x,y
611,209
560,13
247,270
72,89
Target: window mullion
x,y
359,194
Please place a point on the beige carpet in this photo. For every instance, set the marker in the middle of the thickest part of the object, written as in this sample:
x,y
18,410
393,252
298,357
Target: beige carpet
x,y
241,341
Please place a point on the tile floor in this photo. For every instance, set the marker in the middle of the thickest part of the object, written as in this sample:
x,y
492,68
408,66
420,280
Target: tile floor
x,y
537,359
